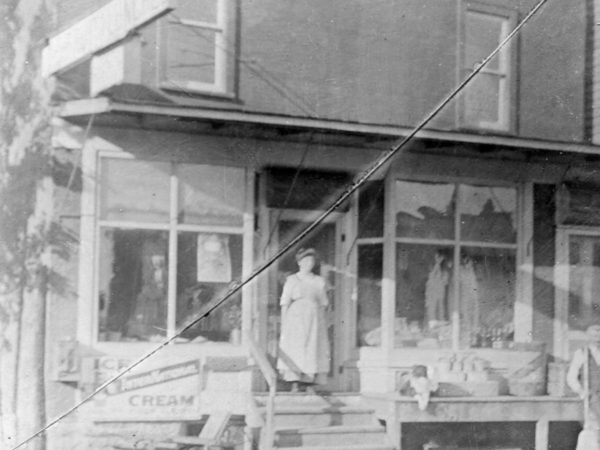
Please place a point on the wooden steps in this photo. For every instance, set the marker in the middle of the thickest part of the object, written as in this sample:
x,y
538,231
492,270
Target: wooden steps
x,y
325,422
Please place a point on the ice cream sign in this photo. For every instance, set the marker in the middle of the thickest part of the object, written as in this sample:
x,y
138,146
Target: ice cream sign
x,y
158,393
156,376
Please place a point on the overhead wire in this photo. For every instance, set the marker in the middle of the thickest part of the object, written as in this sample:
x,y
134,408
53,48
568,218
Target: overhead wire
x,y
353,187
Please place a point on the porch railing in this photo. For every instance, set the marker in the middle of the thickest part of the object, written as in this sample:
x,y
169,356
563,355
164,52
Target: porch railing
x,y
270,376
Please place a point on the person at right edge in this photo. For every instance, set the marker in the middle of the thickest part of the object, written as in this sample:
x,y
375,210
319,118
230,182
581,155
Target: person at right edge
x,y
583,377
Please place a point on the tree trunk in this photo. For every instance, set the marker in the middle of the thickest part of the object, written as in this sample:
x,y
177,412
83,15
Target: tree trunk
x,y
31,404
26,191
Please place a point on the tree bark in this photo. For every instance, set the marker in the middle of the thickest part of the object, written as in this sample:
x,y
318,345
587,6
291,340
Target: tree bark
x,y
31,404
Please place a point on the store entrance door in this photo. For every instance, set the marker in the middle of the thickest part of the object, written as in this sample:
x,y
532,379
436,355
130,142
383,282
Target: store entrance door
x,y
328,240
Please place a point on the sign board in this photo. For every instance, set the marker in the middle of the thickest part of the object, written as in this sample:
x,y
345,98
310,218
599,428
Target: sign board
x,y
106,26
162,392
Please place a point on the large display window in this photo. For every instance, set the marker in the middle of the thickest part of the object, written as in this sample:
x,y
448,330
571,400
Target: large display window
x,y
454,264
170,241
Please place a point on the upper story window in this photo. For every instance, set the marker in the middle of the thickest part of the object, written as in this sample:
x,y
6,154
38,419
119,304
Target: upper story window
x,y
196,45
170,241
488,98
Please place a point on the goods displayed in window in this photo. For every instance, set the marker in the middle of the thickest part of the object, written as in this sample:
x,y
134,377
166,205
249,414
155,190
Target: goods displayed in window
x,y
455,264
206,265
170,243
133,278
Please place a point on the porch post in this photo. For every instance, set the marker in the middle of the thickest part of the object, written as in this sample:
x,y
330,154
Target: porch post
x,y
388,288
542,427
248,291
523,314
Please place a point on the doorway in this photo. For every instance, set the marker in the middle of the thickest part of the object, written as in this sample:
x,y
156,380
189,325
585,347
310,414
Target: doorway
x,y
328,240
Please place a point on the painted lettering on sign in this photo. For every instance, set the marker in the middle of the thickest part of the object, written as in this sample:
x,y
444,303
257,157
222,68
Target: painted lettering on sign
x,y
157,376
162,400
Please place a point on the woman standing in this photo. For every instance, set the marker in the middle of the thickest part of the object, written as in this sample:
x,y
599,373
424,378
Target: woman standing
x,y
303,346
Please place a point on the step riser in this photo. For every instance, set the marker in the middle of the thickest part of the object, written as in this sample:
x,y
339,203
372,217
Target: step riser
x,y
341,447
309,401
329,439
292,420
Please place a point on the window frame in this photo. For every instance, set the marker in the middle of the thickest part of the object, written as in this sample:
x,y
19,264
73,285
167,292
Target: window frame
x,y
507,107
457,244
173,228
523,295
222,39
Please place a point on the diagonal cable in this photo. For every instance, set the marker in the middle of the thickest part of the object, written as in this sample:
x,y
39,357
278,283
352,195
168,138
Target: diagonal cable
x,y
360,180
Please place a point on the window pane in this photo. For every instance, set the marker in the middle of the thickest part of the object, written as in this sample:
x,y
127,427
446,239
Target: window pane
x,y
584,286
211,195
200,10
207,263
423,295
370,210
368,313
482,103
487,295
488,214
483,33
191,54
580,205
425,210
133,285
134,190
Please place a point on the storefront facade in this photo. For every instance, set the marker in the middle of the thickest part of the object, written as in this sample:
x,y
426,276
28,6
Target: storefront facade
x,y
166,232
472,252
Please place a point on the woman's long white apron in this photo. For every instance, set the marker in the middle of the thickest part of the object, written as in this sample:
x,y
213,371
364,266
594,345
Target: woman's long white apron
x,y
303,345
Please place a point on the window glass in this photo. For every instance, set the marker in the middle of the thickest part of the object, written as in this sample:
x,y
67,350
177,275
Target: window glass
x,y
483,34
211,195
370,210
579,205
428,278
482,99
584,286
191,54
135,191
370,274
207,264
486,287
423,295
488,214
486,98
133,285
425,210
133,297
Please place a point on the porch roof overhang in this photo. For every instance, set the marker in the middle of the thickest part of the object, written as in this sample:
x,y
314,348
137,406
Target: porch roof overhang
x,y
115,112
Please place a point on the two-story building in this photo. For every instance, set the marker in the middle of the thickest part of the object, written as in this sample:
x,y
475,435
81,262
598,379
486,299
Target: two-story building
x,y
203,135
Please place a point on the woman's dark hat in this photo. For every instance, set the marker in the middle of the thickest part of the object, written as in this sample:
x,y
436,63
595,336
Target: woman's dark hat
x,y
304,252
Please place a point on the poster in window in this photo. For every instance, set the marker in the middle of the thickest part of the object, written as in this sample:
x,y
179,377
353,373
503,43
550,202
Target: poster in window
x,y
213,259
